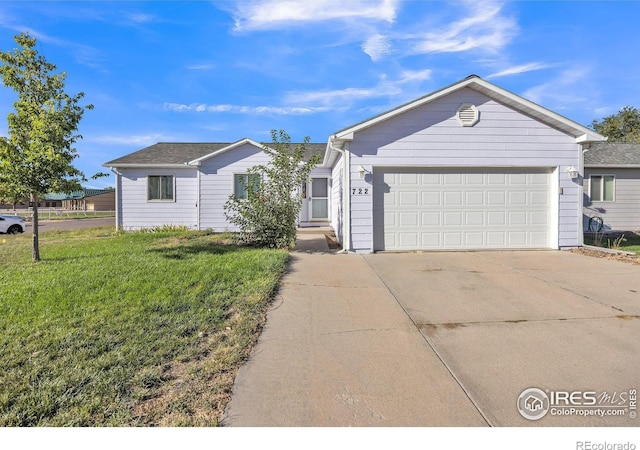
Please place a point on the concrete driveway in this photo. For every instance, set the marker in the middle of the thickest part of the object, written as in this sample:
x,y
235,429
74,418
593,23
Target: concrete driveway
x,y
503,322
445,339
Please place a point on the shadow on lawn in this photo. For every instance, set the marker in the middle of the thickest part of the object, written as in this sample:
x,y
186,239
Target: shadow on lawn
x,y
187,251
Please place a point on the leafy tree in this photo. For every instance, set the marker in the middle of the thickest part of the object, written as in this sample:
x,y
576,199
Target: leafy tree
x,y
268,215
621,127
37,156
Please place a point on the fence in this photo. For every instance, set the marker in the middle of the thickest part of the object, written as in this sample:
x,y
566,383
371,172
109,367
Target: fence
x,y
57,213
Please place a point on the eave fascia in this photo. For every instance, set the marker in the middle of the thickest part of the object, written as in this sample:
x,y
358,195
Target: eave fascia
x,y
149,166
612,166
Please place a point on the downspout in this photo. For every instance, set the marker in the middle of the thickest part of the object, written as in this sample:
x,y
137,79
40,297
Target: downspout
x,y
117,174
585,149
198,200
346,168
199,194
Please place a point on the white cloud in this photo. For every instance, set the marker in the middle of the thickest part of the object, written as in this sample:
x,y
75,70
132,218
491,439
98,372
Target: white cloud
x,y
408,76
567,88
270,14
515,70
486,28
204,66
244,109
341,98
335,97
140,18
376,46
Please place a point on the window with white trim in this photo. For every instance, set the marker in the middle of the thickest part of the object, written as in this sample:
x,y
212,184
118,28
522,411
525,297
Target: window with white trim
x,y
244,181
160,188
602,188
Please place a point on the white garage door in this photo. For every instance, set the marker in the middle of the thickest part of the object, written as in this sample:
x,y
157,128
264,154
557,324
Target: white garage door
x,y
422,209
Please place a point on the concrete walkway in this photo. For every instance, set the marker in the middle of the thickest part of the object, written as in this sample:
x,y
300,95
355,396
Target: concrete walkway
x,y
338,350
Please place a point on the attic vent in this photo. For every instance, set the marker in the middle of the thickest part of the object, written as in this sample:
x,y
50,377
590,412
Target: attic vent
x,y
467,115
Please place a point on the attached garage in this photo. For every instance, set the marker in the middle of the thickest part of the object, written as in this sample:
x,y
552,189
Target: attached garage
x,y
452,209
470,166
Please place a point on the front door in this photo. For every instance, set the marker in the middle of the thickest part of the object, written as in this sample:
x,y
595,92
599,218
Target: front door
x,y
319,199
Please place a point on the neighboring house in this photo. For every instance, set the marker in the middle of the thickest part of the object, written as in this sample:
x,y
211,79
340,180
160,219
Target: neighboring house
x,y
187,184
470,166
86,199
612,187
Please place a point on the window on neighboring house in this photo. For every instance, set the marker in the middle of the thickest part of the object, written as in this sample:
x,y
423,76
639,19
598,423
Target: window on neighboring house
x,y
602,188
242,181
160,188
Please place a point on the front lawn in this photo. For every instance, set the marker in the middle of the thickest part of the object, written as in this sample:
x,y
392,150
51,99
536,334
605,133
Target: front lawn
x,y
629,242
127,329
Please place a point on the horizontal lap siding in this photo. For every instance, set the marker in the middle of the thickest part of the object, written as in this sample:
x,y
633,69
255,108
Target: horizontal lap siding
x,y
430,136
138,213
216,183
623,213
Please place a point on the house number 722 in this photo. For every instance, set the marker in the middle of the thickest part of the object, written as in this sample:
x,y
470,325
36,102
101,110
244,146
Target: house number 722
x,y
359,191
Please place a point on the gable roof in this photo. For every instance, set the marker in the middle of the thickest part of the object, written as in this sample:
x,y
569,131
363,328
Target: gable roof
x,y
179,154
581,133
612,154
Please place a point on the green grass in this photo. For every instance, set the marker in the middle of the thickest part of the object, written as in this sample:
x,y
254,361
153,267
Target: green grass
x,y
127,329
630,242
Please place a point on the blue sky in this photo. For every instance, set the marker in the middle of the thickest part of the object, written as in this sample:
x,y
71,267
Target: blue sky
x,y
219,71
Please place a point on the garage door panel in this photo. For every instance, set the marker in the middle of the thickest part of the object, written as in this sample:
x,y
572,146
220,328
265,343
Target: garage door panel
x,y
518,198
474,198
431,198
408,198
409,219
452,198
430,219
431,240
452,218
474,218
452,239
458,209
474,239
496,198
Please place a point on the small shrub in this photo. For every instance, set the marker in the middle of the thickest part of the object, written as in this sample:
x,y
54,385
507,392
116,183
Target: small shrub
x,y
268,216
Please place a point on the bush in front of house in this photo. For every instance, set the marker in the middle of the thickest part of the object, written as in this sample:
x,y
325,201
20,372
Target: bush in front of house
x,y
267,213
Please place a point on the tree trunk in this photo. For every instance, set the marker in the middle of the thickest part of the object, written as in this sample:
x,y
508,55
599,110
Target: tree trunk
x,y
36,245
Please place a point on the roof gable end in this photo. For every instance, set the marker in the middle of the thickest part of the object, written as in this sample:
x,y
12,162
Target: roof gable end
x,y
581,133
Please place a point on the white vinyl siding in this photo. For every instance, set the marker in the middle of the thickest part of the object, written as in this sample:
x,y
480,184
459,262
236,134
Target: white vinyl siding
x,y
217,181
136,211
431,137
623,213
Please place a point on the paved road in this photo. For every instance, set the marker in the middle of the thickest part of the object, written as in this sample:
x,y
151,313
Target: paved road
x,y
71,224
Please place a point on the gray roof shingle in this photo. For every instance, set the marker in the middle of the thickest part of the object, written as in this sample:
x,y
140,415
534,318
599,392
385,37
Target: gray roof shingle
x,y
183,152
612,154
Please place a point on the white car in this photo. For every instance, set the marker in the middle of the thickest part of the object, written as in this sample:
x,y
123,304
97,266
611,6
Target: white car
x,y
11,224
